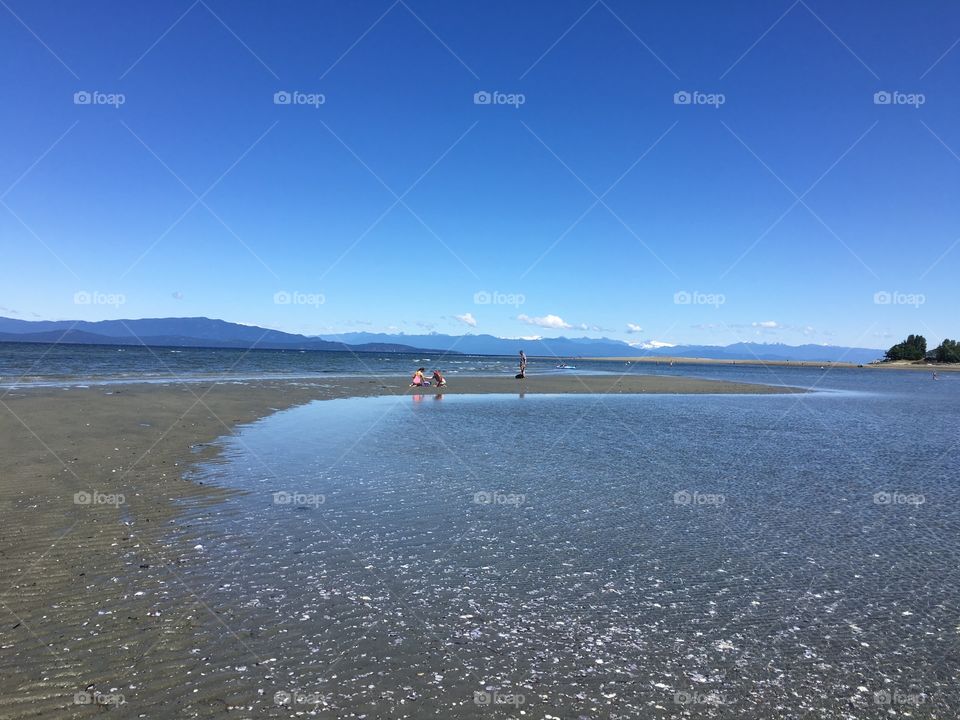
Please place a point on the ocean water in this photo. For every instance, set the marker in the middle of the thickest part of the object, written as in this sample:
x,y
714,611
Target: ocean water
x,y
36,364
39,365
591,556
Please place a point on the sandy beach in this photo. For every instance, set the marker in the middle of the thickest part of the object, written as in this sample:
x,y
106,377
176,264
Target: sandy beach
x,y
90,479
714,361
896,365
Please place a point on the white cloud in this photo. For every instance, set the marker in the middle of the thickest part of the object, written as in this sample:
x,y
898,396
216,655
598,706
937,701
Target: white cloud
x,y
467,319
767,324
547,321
633,328
652,344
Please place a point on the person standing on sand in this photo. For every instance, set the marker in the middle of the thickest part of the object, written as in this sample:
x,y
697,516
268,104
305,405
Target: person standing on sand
x,y
523,366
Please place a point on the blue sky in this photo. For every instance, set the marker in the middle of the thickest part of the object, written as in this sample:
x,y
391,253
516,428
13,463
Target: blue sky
x,y
787,201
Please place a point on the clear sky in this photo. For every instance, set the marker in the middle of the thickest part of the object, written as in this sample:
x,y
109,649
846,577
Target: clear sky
x,y
777,197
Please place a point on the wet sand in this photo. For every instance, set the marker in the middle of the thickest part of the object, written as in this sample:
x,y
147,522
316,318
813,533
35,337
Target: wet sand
x,y
919,365
665,360
90,481
896,365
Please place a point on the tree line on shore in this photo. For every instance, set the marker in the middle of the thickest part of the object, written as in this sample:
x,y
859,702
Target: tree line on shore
x,y
915,348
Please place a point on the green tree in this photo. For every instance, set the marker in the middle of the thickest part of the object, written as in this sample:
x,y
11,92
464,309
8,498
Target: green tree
x,y
913,348
948,352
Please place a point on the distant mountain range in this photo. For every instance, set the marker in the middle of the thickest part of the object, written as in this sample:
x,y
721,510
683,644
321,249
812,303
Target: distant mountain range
x,y
180,332
563,347
204,332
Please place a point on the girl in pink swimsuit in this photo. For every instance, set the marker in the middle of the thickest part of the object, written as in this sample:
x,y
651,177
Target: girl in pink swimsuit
x,y
418,379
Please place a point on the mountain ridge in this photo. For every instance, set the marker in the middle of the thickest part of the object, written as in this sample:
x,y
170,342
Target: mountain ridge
x,y
208,332
605,347
180,332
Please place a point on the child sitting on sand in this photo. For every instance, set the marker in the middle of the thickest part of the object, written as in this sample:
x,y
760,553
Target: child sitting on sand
x,y
418,379
438,379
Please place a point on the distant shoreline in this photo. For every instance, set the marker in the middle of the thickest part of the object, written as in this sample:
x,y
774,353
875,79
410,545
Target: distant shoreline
x,y
437,355
894,365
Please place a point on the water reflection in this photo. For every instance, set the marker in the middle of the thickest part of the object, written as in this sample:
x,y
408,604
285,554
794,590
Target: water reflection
x,y
599,556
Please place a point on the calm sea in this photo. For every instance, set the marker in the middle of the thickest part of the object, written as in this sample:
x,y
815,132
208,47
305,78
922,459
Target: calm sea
x,y
33,363
45,364
746,557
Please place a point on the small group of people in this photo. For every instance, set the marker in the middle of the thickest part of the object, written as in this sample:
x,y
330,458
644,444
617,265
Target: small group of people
x,y
420,379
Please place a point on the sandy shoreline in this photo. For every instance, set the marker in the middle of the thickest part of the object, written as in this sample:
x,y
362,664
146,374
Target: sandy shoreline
x,y
90,592
665,360
896,365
